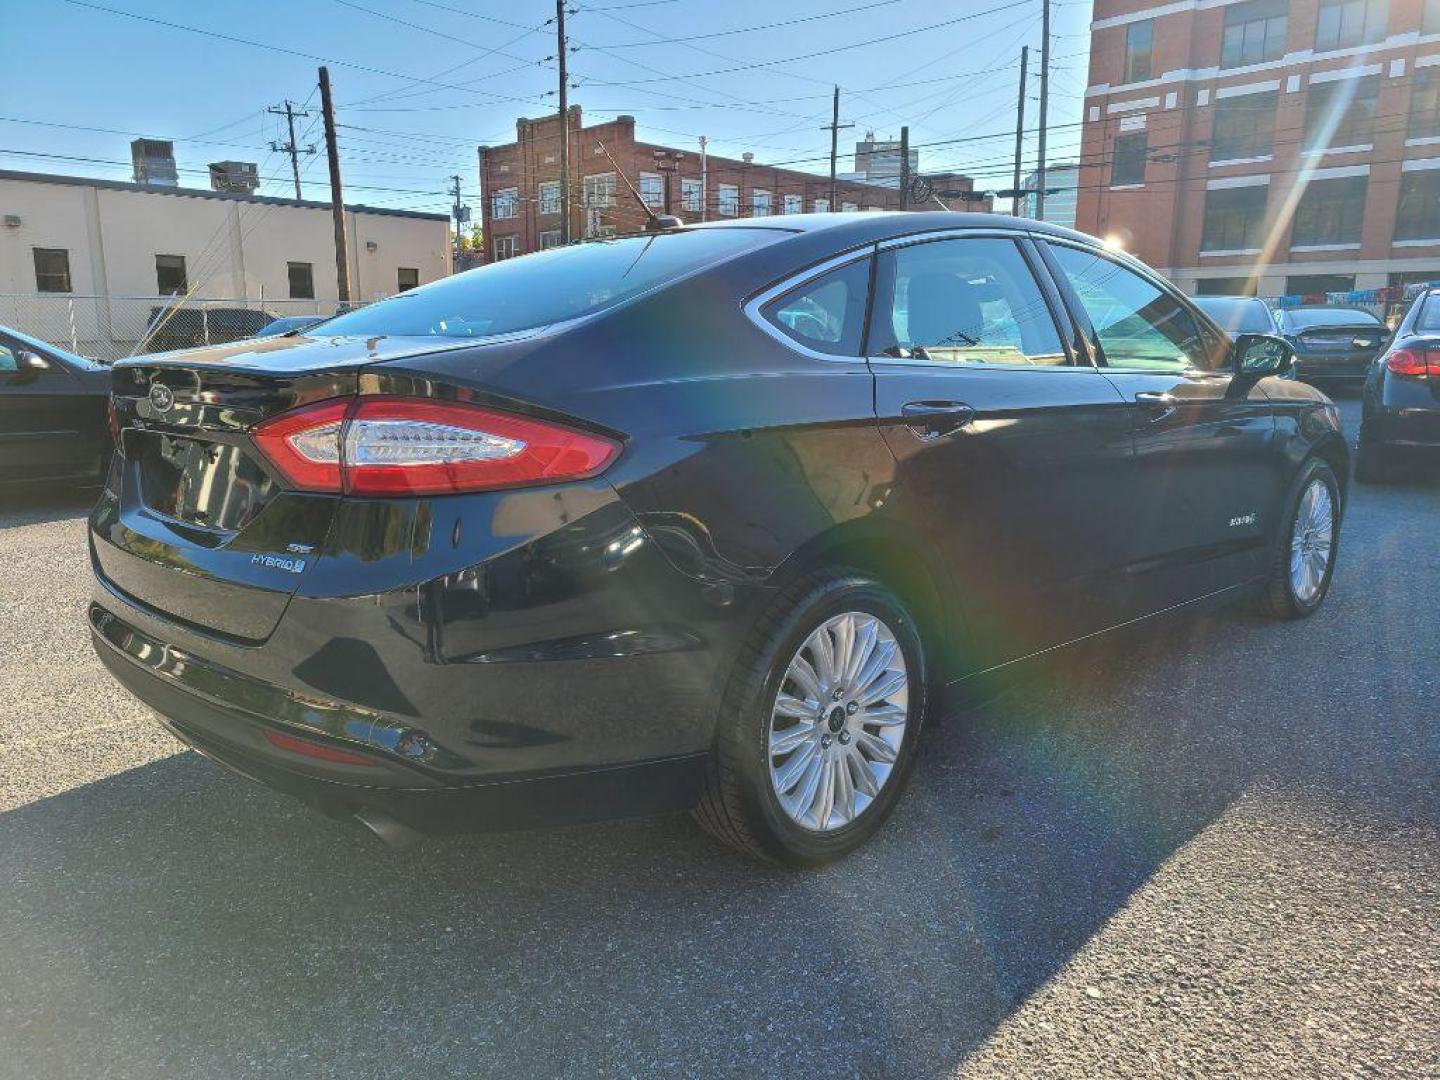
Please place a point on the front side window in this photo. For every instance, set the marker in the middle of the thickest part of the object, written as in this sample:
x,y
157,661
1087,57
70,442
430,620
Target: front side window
x,y
548,286
1424,121
1234,218
1344,24
1330,211
826,314
727,199
690,195
549,197
52,270
506,203
170,274
652,189
1244,127
761,203
301,276
1254,32
8,362
1341,113
1131,151
1138,325
1418,216
1139,40
964,301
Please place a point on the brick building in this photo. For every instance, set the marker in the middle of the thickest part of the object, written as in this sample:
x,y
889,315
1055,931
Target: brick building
x,y
1278,146
520,186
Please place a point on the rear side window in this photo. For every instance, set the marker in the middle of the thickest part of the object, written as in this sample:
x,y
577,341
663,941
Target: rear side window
x,y
827,313
1140,326
1429,318
970,300
548,286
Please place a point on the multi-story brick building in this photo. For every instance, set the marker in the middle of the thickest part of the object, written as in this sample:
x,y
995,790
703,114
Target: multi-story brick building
x,y
520,186
1278,146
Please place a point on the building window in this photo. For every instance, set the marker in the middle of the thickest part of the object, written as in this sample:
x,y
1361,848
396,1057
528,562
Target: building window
x,y
506,247
1244,127
762,203
727,200
406,278
820,206
1318,284
52,270
302,280
1131,150
1425,104
550,238
1254,32
1139,39
1418,217
505,203
550,197
1226,286
793,204
1430,17
1341,113
849,207
1234,218
690,195
1344,24
170,275
652,189
598,190
1330,212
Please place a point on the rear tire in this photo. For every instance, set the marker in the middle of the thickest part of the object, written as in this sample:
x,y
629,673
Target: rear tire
x,y
746,802
1302,563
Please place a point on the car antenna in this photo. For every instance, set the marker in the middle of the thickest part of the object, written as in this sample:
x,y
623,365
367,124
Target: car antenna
x,y
656,222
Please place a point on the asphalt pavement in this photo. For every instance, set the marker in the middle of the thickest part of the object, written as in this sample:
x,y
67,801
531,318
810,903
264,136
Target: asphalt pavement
x,y
1209,848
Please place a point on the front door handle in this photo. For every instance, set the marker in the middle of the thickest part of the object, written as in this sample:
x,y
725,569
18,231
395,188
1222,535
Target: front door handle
x,y
1160,402
935,419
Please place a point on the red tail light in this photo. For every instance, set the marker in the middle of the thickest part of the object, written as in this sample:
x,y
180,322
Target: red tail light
x,y
1417,362
415,446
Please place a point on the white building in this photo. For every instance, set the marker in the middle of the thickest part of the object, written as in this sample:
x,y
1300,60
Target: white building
x,y
87,262
1063,184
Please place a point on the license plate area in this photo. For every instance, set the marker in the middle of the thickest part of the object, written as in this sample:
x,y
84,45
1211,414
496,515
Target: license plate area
x,y
203,483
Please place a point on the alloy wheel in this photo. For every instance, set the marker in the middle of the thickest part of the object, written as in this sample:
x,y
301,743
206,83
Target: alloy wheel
x,y
838,721
1311,541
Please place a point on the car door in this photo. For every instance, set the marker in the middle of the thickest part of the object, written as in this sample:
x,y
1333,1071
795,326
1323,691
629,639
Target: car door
x,y
1006,445
44,421
1206,465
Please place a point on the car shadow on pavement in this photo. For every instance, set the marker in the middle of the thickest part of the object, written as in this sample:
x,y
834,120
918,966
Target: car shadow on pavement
x,y
48,502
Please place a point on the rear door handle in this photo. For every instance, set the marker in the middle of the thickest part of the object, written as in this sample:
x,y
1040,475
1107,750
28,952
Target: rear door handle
x,y
935,419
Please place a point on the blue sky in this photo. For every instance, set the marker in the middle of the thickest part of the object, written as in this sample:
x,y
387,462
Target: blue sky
x,y
419,83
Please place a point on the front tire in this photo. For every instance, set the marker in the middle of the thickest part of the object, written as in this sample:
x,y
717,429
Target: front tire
x,y
818,728
1303,561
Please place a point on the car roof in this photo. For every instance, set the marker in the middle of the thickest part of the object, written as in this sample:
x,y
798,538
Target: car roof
x,y
861,225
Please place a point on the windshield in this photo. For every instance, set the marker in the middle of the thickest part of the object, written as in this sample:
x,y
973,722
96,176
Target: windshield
x,y
1237,315
1303,318
549,286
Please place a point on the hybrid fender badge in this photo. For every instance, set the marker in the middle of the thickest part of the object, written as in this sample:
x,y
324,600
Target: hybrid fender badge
x,y
162,398
279,562
1244,519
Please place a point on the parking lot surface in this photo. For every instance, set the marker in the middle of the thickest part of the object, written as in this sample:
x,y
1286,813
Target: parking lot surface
x,y
1211,847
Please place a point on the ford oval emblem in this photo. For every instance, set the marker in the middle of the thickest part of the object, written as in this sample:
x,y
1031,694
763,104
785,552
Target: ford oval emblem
x,y
162,398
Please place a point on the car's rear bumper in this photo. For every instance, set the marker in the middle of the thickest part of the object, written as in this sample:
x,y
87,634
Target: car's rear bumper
x,y
1318,366
1405,426
229,717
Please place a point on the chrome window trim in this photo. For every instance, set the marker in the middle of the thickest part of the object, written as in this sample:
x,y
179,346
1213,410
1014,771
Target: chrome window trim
x,y
753,307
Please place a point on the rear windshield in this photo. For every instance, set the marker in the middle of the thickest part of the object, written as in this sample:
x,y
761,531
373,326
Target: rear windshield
x,y
547,287
1303,318
1237,315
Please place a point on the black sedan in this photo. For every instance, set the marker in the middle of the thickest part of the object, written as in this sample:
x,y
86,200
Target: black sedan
x,y
1332,343
1400,406
708,518
53,416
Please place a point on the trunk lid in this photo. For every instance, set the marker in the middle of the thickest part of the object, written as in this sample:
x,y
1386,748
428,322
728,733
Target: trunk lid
x,y
1342,339
195,523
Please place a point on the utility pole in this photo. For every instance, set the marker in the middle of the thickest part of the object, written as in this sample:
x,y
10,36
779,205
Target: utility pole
x,y
337,201
460,211
1020,127
704,180
562,48
834,128
905,168
289,111
1044,106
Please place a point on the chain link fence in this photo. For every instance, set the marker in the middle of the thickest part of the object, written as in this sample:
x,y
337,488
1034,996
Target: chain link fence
x,y
110,328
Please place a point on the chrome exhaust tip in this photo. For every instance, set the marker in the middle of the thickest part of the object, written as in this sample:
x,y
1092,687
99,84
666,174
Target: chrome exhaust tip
x,y
392,832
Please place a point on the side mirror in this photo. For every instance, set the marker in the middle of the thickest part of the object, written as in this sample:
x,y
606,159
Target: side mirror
x,y
31,361
1255,356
